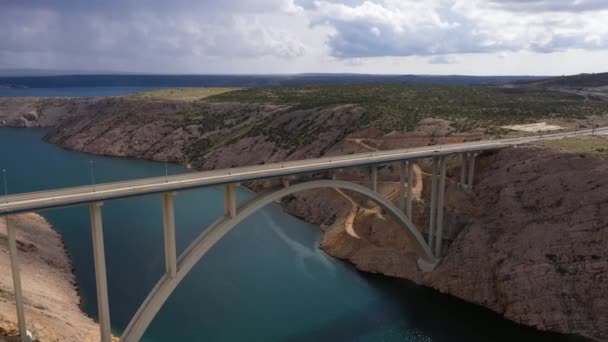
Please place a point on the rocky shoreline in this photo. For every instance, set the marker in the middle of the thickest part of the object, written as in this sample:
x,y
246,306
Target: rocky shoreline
x,y
525,244
52,305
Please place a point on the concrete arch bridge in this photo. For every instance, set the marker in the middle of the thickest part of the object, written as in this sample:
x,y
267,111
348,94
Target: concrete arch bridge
x,y
427,247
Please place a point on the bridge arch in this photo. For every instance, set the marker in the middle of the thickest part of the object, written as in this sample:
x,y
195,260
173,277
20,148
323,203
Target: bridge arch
x,y
207,239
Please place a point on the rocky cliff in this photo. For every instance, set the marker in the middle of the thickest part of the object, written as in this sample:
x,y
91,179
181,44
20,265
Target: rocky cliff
x,y
534,246
51,301
529,243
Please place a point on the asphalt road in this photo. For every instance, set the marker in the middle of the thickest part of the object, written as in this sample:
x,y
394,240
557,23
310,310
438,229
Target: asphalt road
x,y
51,199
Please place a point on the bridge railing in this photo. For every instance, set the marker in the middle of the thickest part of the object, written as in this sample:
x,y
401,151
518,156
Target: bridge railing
x,y
94,196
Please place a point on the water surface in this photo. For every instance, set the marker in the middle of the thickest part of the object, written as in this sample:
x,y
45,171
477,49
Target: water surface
x,y
267,280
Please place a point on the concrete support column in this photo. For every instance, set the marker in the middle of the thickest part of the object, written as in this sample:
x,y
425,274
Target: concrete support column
x,y
12,247
433,216
440,207
169,230
402,171
410,189
285,182
471,171
103,305
334,175
373,178
230,200
463,169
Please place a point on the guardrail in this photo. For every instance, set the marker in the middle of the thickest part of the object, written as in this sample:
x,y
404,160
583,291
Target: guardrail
x,y
44,200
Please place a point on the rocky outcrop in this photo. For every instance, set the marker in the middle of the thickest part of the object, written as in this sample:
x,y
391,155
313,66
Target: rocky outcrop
x,y
205,135
538,253
51,301
530,243
535,249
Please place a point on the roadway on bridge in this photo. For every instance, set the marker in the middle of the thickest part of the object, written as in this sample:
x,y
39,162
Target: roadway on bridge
x,y
51,199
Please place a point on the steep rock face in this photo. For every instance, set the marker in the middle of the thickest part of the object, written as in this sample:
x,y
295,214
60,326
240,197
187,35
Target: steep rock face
x,y
539,252
204,135
532,242
51,301
535,249
288,135
126,128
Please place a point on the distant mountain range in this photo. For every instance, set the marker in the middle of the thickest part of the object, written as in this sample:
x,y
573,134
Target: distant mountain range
x,y
21,72
140,80
575,81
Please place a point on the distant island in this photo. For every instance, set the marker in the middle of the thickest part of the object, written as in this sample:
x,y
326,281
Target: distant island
x,y
150,80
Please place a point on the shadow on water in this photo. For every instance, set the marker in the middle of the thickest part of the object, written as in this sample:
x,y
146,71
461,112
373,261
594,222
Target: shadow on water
x,y
425,315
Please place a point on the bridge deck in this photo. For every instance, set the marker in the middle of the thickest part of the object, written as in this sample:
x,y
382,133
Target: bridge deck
x,y
51,199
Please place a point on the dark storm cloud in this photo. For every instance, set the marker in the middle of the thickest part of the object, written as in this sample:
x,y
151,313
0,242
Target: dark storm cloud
x,y
140,35
170,35
118,7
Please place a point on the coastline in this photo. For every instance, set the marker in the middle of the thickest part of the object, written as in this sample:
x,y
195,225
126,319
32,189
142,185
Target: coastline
x,y
377,246
52,303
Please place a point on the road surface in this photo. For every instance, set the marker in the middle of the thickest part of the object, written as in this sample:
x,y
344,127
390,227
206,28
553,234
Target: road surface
x,y
52,199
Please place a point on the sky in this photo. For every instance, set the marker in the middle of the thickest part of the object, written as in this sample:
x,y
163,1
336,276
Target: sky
x,y
474,37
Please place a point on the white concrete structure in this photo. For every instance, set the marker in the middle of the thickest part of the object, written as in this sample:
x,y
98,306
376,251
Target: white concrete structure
x,y
103,303
217,230
12,248
167,186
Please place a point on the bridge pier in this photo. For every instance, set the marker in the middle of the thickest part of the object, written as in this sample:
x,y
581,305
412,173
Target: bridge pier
x,y
433,216
463,169
440,206
410,189
230,200
373,177
467,170
334,175
402,172
103,305
169,231
12,247
471,170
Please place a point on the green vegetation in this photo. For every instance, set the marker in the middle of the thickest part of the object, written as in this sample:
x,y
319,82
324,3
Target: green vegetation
x,y
401,107
587,146
298,116
182,94
574,81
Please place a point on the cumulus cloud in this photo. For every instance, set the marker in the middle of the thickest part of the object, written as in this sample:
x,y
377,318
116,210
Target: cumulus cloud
x,y
182,35
159,32
431,27
551,5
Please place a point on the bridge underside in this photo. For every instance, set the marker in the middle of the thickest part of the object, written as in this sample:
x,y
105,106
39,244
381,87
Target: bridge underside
x,y
428,250
429,253
233,216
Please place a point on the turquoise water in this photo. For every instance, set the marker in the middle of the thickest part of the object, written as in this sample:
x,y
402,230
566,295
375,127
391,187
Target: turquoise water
x,y
265,281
